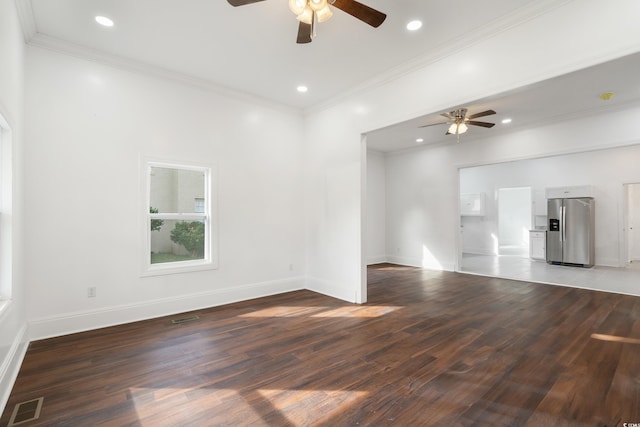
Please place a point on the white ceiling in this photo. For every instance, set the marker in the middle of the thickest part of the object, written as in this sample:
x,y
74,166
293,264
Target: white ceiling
x,y
252,49
565,97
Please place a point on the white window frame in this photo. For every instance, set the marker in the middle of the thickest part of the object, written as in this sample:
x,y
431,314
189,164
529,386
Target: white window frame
x,y
196,205
209,216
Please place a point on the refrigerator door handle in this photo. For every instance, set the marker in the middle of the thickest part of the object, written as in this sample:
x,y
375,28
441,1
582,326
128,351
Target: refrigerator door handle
x,y
563,223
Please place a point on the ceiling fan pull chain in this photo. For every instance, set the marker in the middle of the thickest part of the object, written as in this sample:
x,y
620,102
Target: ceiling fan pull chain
x,y
314,21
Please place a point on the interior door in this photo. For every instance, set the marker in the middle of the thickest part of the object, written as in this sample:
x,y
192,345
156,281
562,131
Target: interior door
x,y
634,222
514,220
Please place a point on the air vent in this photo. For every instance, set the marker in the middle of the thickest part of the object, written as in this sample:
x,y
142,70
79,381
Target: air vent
x,y
184,320
26,411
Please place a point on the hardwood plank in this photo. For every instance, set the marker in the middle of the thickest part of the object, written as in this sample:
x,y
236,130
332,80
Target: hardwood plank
x,y
429,348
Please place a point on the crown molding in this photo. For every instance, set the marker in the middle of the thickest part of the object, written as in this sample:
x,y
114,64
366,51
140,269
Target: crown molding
x,y
33,38
61,46
448,48
531,124
27,21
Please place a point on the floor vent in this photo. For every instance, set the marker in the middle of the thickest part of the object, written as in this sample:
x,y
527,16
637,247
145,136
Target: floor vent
x,y
184,320
26,411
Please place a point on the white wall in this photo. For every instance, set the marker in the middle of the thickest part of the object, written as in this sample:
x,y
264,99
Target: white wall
x,y
410,216
89,126
333,190
376,206
606,170
548,45
421,208
13,324
514,217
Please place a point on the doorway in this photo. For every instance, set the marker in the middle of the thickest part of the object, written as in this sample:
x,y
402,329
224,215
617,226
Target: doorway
x,y
632,228
514,221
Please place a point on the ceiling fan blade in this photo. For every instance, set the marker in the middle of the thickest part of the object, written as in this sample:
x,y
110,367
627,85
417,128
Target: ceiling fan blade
x,y
433,124
483,124
242,2
304,33
362,12
482,114
448,116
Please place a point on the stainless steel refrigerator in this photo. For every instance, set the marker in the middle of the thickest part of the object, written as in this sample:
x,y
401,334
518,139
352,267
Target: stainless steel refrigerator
x,y
570,235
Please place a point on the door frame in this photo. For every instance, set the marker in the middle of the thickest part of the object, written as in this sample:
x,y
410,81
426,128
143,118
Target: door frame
x,y
625,241
499,191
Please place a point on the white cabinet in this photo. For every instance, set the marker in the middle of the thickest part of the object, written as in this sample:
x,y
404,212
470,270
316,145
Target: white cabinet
x,y
538,245
570,192
472,204
539,203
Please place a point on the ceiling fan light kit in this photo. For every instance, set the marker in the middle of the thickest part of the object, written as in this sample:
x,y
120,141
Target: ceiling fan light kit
x,y
324,14
458,121
297,6
458,128
310,12
306,16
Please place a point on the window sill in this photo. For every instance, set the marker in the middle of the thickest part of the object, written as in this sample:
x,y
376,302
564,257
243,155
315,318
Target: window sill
x,y
177,268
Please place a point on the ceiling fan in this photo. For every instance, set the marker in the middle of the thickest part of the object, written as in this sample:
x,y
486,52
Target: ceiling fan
x,y
458,121
310,12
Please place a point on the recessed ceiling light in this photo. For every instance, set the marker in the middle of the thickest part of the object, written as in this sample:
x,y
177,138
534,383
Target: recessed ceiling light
x,y
302,89
506,121
419,140
414,25
104,21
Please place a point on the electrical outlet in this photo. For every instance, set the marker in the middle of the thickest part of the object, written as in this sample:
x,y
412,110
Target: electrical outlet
x,y
91,292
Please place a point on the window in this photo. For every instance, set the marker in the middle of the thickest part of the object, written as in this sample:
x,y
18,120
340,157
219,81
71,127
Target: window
x,y
179,225
198,205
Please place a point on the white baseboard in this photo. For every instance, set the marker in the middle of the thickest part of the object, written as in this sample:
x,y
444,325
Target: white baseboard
x,y
331,289
11,365
409,262
479,251
94,319
608,262
416,262
379,259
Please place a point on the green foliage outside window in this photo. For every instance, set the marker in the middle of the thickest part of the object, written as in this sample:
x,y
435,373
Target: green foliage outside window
x,y
191,236
155,223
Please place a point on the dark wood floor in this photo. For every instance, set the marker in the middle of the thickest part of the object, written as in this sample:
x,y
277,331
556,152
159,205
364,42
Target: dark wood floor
x,y
430,348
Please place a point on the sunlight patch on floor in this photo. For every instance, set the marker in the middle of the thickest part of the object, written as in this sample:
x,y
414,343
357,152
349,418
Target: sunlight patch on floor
x,y
285,311
615,338
148,400
359,311
347,311
332,402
